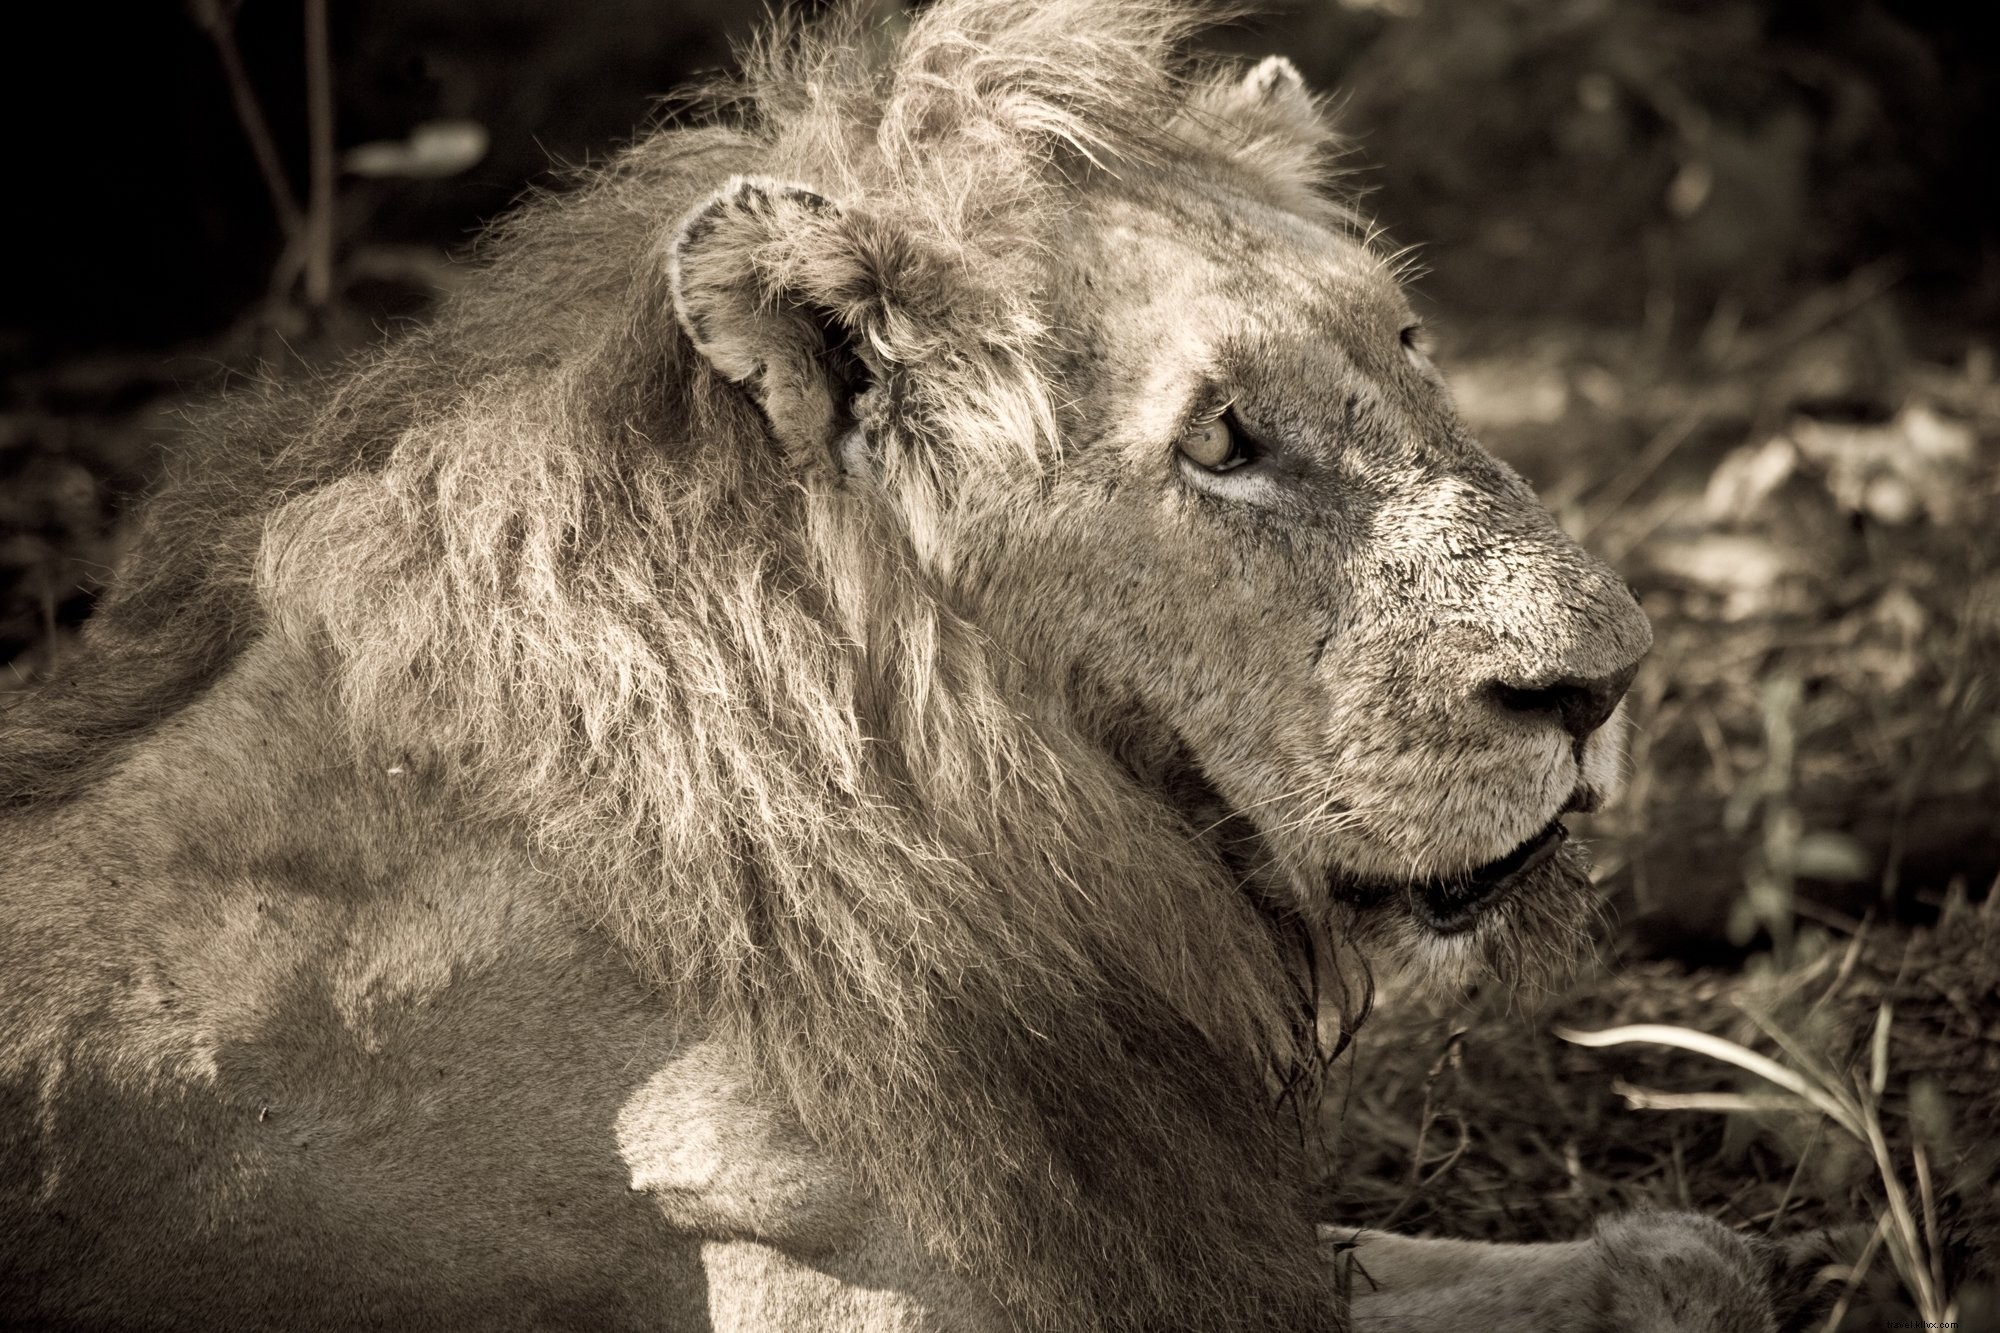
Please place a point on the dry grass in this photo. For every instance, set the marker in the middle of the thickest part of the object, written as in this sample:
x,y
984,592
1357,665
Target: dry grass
x,y
1880,1104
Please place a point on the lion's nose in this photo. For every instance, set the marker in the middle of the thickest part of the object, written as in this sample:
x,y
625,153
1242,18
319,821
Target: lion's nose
x,y
1581,705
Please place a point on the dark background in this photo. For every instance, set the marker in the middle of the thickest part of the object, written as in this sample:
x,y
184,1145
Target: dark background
x,y
1814,134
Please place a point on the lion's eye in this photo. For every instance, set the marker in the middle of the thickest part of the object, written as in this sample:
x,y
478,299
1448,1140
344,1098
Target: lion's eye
x,y
1215,444
1413,342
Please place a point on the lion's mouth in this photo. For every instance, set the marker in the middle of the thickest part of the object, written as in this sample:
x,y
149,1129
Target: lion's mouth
x,y
1451,904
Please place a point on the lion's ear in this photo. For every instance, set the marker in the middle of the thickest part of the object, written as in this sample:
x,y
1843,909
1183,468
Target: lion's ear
x,y
1272,116
754,270
1272,92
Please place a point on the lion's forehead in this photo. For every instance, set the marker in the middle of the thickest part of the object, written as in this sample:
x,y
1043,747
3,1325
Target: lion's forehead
x,y
1222,266
1156,302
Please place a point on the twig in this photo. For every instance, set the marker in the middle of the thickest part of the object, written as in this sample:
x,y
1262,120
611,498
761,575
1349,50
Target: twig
x,y
1611,497
1453,1052
1823,310
1650,1099
1454,1045
209,15
1798,1170
319,119
1436,1174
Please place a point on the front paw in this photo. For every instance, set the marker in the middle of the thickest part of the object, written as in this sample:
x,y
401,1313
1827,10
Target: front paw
x,y
1661,1272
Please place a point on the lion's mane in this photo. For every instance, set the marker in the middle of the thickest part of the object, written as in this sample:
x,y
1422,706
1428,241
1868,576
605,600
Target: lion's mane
x,y
553,563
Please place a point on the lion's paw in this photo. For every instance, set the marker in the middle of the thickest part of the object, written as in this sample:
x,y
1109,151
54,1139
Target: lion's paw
x,y
1665,1272
1643,1272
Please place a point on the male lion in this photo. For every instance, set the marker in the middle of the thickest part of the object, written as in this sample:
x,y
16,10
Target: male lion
x,y
794,760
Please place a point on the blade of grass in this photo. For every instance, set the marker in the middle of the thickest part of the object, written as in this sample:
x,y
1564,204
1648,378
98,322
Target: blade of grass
x,y
1878,1052
1798,1170
1651,1099
1921,1160
1813,1064
1841,1109
1906,1248
1853,1103
1856,1273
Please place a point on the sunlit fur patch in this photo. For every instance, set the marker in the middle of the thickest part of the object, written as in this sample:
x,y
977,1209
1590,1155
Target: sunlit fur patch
x,y
1528,941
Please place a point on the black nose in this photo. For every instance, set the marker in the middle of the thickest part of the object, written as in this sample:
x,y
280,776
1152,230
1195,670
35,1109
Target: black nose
x,y
1580,705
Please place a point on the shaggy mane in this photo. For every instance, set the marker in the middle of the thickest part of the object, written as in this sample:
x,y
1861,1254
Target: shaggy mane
x,y
541,549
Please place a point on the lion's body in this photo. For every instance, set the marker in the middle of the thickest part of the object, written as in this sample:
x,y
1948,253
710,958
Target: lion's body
x,y
310,1070
678,796
347,1063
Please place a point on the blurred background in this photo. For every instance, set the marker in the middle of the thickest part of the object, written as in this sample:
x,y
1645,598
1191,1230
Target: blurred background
x,y
1722,278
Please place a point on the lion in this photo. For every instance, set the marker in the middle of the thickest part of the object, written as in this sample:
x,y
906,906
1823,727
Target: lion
x,y
826,749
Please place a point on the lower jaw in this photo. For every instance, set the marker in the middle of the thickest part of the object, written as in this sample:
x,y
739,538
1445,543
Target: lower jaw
x,y
1530,938
1453,907
1458,923
1456,905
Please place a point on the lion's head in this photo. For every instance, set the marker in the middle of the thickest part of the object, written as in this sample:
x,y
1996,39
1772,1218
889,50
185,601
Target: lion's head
x,y
961,568
1173,445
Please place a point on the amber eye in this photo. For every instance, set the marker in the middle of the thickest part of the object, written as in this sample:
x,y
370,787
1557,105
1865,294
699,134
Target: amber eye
x,y
1215,444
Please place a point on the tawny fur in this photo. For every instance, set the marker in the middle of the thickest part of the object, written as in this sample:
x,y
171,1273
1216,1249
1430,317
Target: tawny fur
x,y
740,557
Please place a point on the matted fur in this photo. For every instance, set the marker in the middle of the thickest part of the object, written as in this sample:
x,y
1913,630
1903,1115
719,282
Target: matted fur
x,y
550,560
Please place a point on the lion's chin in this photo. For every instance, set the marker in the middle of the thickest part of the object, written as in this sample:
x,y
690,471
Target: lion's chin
x,y
1528,928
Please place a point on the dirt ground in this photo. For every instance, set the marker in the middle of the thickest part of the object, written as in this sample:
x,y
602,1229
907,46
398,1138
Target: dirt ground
x,y
1721,280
